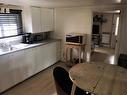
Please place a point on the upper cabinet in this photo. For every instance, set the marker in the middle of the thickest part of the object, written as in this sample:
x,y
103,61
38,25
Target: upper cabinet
x,y
42,19
36,19
47,19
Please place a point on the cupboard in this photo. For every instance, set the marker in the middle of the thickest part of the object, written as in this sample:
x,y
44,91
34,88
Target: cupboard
x,y
20,65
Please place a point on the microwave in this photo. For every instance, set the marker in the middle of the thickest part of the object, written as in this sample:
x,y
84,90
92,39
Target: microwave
x,y
76,38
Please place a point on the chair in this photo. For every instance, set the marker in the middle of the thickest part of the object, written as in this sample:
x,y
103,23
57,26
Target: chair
x,y
63,82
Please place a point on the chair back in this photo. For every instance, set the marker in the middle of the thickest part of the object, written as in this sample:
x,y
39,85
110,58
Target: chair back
x,y
64,84
62,81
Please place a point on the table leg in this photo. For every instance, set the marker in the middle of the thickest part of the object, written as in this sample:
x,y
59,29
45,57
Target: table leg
x,y
71,55
73,89
66,51
79,55
84,54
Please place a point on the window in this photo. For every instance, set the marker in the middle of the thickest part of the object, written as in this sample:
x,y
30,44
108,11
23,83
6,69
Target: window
x,y
10,23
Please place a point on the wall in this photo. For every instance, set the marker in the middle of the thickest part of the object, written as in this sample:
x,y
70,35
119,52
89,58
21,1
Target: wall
x,y
107,27
77,19
67,20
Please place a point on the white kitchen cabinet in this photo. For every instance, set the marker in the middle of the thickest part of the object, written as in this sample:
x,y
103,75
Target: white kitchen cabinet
x,y
23,64
39,58
47,55
42,19
20,65
16,67
36,19
30,61
47,19
6,73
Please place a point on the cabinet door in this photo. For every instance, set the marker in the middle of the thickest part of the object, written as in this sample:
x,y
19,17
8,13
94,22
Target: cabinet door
x,y
23,64
47,19
6,78
18,66
36,19
47,55
43,16
39,58
51,54
29,61
58,50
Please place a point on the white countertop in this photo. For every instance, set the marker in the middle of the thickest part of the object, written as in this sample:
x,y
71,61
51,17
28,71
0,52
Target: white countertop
x,y
22,46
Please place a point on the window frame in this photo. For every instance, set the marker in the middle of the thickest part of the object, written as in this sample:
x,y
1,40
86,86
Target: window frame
x,y
14,11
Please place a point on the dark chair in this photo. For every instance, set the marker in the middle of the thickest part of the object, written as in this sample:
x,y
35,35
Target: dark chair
x,y
63,82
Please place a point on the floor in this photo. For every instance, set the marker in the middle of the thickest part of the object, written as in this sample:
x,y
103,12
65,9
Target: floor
x,y
104,54
40,84
43,83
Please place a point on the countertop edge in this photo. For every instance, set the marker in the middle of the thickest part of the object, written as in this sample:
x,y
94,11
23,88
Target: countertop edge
x,y
30,46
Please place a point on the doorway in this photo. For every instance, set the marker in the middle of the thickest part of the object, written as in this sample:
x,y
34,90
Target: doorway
x,y
104,36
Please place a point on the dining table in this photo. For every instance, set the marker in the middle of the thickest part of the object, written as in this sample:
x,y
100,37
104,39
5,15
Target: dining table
x,y
99,78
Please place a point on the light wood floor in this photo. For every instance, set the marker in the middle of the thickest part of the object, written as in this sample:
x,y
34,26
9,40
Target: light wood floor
x,y
43,83
105,55
40,84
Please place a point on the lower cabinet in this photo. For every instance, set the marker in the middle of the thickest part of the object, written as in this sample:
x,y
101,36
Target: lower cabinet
x,y
6,73
18,66
46,55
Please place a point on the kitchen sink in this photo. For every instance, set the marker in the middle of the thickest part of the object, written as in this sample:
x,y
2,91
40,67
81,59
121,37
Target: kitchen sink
x,y
12,47
7,49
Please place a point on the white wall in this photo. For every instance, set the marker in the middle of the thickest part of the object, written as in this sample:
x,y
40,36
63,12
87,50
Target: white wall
x,y
67,20
77,19
107,27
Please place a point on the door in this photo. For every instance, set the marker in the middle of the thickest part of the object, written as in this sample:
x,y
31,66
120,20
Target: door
x,y
117,37
114,30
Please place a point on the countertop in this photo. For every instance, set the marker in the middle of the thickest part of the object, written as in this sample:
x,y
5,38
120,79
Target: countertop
x,y
22,46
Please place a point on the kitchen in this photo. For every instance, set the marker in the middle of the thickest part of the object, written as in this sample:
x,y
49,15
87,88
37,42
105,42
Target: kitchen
x,y
24,54
36,19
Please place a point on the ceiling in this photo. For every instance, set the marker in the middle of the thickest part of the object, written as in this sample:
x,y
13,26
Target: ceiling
x,y
64,3
72,3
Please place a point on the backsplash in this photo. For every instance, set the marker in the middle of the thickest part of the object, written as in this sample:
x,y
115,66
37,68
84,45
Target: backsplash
x,y
35,37
42,36
11,40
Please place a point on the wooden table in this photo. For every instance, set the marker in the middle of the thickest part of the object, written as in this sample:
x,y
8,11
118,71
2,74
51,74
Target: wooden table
x,y
80,47
100,78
